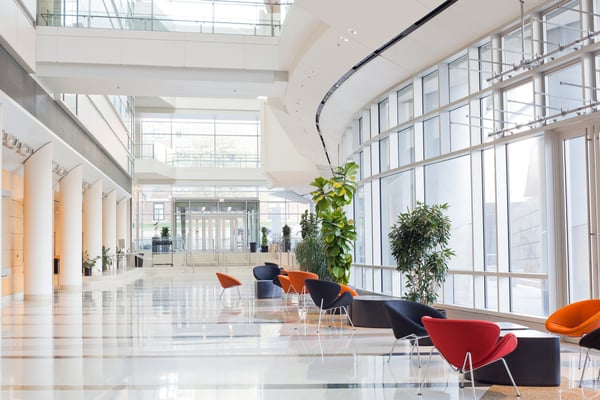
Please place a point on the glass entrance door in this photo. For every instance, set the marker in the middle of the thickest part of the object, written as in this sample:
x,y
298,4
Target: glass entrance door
x,y
214,233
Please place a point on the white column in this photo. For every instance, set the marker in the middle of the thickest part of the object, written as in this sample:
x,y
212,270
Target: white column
x,y
92,223
1,206
109,222
71,217
38,210
122,224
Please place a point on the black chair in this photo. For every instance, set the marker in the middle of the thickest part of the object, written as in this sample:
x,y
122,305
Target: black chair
x,y
265,272
326,296
265,276
405,320
589,341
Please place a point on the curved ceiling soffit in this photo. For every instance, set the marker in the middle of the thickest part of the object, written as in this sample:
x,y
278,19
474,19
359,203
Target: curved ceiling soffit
x,y
370,57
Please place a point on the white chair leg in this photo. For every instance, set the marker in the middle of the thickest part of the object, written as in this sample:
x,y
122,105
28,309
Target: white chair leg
x,y
320,315
584,365
420,392
392,350
348,315
511,377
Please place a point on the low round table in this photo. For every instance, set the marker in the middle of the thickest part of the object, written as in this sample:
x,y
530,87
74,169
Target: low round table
x,y
368,311
535,361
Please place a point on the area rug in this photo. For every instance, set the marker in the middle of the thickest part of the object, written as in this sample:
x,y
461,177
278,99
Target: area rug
x,y
563,392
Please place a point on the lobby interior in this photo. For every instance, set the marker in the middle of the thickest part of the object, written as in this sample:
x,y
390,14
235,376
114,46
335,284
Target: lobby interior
x,y
119,118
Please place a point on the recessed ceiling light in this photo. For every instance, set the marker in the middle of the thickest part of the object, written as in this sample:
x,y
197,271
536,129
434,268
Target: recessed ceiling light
x,y
352,31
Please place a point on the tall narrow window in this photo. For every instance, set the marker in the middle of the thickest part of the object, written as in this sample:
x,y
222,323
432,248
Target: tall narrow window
x,y
384,115
159,212
431,137
486,67
458,78
431,97
405,104
459,128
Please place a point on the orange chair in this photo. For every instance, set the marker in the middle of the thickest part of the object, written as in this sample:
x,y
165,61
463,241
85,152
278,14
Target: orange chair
x,y
344,289
286,287
228,281
575,319
297,279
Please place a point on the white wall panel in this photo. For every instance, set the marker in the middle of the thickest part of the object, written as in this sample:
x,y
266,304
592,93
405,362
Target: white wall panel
x,y
17,34
175,49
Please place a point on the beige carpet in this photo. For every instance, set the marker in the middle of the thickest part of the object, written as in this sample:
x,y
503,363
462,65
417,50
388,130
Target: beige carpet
x,y
564,392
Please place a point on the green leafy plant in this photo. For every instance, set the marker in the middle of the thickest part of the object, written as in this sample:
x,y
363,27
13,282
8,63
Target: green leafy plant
x,y
87,262
106,258
164,232
264,241
286,232
338,232
309,224
419,244
310,254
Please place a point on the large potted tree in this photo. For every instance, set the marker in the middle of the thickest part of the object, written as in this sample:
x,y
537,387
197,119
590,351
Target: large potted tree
x,y
419,244
286,232
338,232
310,252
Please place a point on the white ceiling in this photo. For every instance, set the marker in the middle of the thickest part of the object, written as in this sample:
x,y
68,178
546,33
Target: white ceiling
x,y
321,41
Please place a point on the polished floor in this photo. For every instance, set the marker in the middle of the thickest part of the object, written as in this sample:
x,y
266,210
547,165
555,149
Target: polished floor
x,y
164,333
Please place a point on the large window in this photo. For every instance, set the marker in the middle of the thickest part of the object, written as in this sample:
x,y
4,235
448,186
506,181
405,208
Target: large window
x,y
565,92
517,46
527,226
204,141
406,146
397,195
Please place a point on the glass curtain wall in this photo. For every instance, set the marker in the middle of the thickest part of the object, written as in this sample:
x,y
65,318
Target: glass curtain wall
x,y
489,151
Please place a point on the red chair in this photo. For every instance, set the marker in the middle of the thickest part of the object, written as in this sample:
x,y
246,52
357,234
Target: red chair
x,y
469,344
228,281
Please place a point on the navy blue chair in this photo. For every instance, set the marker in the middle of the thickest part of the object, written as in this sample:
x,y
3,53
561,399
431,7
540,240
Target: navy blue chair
x,y
589,341
265,276
405,320
326,295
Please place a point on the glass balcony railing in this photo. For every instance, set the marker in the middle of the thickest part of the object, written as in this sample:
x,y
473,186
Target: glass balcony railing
x,y
201,16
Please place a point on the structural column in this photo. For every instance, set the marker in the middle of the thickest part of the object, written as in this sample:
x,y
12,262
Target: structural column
x,y
92,223
1,198
71,218
38,210
109,222
122,224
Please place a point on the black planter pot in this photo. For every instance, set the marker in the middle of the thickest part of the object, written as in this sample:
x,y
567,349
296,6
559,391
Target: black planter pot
x,y
264,249
87,271
253,247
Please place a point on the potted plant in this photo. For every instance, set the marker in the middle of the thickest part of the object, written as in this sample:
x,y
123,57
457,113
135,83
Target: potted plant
x,y
287,241
419,244
106,258
164,232
88,263
264,241
338,232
